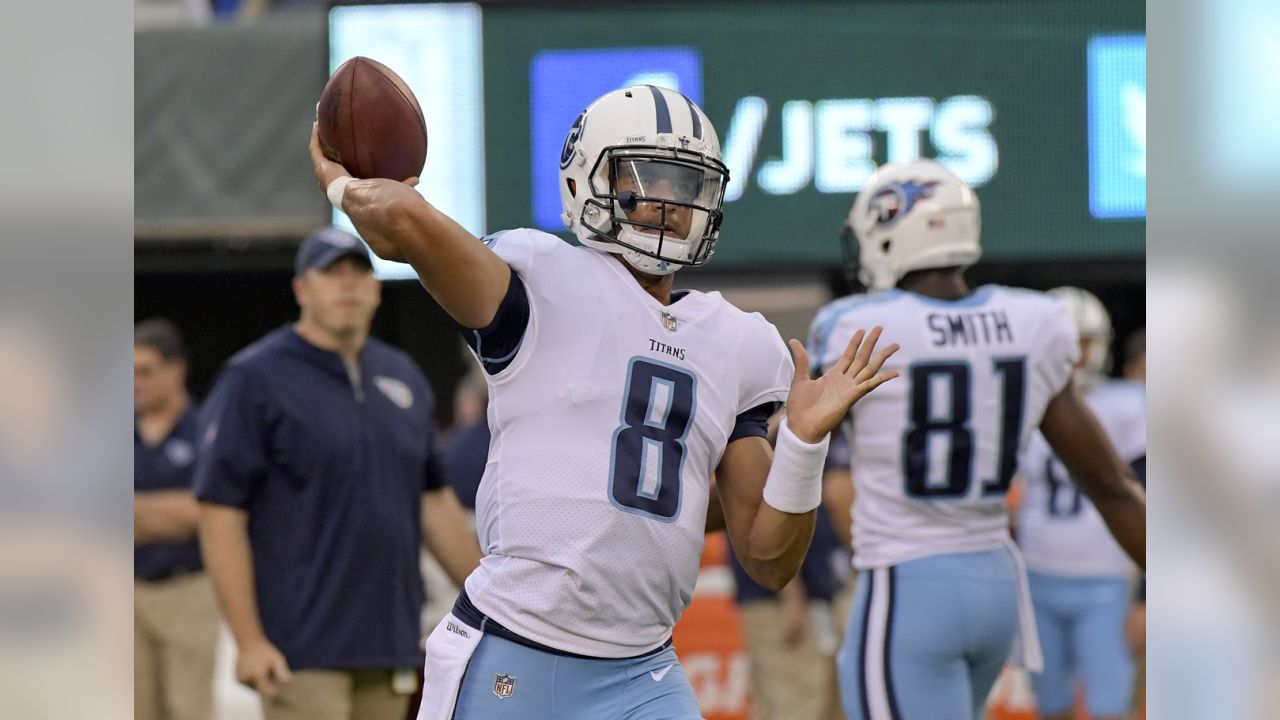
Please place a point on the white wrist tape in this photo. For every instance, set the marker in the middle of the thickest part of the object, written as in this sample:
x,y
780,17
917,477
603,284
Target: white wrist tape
x,y
337,189
794,484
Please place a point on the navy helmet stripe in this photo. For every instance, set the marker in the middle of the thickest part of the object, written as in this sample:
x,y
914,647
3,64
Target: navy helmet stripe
x,y
697,121
660,105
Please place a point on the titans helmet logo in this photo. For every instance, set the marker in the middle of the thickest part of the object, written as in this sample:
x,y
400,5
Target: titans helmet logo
x,y
570,142
895,200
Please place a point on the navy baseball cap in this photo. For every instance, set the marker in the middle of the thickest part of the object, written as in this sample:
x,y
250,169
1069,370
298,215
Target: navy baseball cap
x,y
324,246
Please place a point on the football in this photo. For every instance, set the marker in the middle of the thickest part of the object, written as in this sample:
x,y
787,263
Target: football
x,y
370,122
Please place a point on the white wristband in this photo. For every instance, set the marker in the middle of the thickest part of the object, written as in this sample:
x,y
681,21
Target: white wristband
x,y
794,484
337,189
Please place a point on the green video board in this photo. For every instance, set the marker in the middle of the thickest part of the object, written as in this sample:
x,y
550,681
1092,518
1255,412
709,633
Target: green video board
x,y
808,97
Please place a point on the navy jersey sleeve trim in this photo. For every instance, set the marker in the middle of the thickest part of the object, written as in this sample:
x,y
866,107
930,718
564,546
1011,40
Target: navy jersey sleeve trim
x,y
1139,467
497,343
754,422
433,475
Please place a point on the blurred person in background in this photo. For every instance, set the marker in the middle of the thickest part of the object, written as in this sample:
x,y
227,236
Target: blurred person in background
x,y
1135,370
942,595
175,617
465,448
464,451
1082,583
791,634
318,483
1135,356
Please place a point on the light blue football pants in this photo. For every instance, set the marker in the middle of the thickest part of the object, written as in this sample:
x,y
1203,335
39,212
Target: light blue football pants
x,y
539,685
927,638
1081,623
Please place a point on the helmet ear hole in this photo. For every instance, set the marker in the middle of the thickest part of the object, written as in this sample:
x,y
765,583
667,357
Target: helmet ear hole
x,y
884,246
573,186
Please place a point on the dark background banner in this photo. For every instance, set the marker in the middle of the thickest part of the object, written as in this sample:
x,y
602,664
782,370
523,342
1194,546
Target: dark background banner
x,y
915,72
806,97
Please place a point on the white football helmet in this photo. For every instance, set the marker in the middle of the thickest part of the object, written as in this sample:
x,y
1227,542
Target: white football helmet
x,y
1093,324
641,175
912,216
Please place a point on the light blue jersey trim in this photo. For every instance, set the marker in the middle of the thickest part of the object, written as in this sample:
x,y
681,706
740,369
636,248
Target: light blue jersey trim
x,y
973,299
825,321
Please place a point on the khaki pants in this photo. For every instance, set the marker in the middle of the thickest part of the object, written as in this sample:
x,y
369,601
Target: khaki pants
x,y
797,683
337,695
175,634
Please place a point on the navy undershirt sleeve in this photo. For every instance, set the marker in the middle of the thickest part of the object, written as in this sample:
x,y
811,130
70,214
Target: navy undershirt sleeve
x,y
497,343
1140,469
754,422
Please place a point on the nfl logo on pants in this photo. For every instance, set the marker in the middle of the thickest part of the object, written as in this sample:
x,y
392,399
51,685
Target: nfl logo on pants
x,y
504,686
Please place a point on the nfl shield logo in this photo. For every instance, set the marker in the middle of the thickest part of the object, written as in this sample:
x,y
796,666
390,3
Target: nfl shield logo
x,y
668,321
504,686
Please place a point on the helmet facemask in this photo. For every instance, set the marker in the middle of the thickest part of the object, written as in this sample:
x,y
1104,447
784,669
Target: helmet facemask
x,y
661,205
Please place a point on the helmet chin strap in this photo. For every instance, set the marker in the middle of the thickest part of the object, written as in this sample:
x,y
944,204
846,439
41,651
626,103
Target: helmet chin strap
x,y
649,265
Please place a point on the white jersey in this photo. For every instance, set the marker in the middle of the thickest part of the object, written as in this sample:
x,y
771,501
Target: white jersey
x,y
935,450
1059,530
607,426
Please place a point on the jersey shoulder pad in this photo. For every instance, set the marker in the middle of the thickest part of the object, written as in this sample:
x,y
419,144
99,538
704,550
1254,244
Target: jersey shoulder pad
x,y
764,362
524,248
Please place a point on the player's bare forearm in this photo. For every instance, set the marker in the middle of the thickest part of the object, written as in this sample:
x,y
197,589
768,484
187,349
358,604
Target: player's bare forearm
x,y
777,545
1078,439
461,273
769,543
164,516
224,542
1125,511
448,536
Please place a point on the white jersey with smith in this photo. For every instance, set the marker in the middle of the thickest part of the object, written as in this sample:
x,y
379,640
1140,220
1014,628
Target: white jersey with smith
x,y
607,426
934,452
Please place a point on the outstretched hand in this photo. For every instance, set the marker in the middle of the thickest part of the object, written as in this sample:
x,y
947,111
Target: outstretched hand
x,y
816,406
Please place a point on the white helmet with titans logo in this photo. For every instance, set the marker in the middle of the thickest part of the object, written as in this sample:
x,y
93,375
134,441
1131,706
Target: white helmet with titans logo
x,y
1093,323
913,216
641,175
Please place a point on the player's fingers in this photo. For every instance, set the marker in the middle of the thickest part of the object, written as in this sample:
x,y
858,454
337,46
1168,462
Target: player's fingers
x,y
412,182
846,358
863,356
259,681
801,358
877,381
280,669
876,363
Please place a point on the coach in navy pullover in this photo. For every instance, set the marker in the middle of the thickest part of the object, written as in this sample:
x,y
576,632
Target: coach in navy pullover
x,y
317,480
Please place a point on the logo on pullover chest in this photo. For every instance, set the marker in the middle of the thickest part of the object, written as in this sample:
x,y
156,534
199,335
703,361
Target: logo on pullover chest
x,y
397,391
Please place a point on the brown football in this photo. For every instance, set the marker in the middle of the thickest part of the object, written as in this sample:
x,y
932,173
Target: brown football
x,y
370,122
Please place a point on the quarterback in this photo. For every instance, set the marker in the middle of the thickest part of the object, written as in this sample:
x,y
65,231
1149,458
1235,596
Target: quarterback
x,y
613,399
